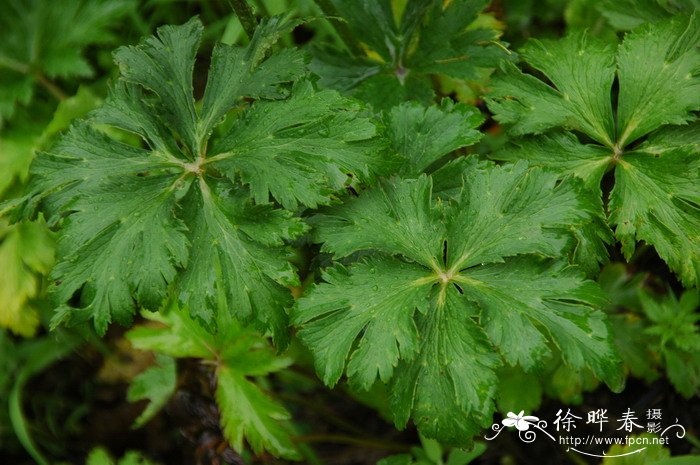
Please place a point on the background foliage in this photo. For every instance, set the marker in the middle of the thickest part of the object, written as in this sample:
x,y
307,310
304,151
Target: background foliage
x,y
343,231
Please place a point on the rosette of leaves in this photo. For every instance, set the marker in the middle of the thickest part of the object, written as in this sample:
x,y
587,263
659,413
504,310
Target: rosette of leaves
x,y
200,207
400,51
643,128
444,286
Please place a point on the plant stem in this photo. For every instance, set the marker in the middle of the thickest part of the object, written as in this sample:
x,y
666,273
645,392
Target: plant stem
x,y
49,85
341,27
24,68
366,442
245,15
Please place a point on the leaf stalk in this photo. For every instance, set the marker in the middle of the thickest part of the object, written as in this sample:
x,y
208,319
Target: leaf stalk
x,y
341,27
245,15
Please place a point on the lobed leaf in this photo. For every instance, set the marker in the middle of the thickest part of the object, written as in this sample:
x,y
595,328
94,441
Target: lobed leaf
x,y
409,312
186,208
655,197
157,385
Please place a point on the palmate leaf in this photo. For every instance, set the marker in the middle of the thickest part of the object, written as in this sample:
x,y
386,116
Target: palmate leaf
x,y
441,284
189,209
656,196
432,37
239,354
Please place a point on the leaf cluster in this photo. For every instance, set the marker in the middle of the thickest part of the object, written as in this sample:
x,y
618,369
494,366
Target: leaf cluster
x,y
197,191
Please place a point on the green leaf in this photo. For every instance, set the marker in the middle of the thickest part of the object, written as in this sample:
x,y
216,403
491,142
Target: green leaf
x,y
16,154
655,197
156,384
400,459
564,153
634,346
628,14
670,138
315,136
652,453
240,355
674,322
248,413
135,458
579,332
184,337
678,460
429,38
34,129
40,38
581,70
164,65
567,384
407,313
657,72
462,457
518,390
361,224
238,259
72,108
423,136
453,372
246,72
432,449
26,252
384,317
132,248
190,206
99,456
